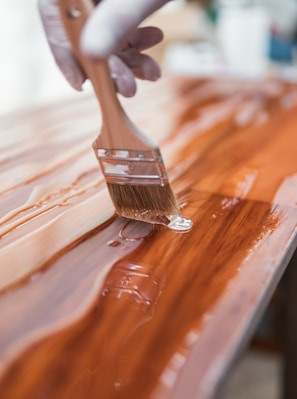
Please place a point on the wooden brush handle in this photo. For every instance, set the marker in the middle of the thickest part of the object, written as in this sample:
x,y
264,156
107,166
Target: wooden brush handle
x,y
74,14
117,130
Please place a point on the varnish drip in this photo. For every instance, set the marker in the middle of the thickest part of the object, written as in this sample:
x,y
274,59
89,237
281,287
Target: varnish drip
x,y
135,231
179,223
136,282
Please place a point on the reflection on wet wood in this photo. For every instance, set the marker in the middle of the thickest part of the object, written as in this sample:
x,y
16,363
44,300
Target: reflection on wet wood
x,y
93,305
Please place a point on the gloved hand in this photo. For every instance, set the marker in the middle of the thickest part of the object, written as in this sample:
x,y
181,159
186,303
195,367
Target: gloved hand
x,y
110,33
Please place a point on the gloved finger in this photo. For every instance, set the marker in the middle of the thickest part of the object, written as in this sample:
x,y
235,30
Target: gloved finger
x,y
145,37
112,23
59,44
122,76
142,65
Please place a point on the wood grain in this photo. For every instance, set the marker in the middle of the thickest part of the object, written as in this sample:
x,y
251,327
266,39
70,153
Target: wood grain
x,y
98,306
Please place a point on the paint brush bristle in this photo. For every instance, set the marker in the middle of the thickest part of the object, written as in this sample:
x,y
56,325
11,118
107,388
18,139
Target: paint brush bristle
x,y
154,203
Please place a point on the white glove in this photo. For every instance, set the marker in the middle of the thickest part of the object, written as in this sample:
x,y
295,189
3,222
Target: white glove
x,y
111,29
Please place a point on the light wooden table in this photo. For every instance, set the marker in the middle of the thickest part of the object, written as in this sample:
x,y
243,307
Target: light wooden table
x,y
95,306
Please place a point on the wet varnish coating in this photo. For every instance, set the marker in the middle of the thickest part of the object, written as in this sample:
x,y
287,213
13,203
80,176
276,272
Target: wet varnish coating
x,y
95,306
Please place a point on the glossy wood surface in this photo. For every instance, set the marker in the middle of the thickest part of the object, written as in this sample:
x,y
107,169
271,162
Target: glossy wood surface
x,y
96,306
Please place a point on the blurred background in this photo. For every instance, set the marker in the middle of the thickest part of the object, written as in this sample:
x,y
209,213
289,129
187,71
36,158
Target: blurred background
x,y
241,38
28,74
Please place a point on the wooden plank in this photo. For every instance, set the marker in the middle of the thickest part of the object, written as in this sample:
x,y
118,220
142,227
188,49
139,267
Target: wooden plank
x,y
97,306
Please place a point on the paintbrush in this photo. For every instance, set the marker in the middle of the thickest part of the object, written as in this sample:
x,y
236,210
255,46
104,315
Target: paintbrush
x,y
131,162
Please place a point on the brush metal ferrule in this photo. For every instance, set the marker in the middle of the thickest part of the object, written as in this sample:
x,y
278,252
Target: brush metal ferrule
x,y
133,167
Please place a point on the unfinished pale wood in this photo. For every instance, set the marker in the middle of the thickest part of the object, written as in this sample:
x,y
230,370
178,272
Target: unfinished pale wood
x,y
125,310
